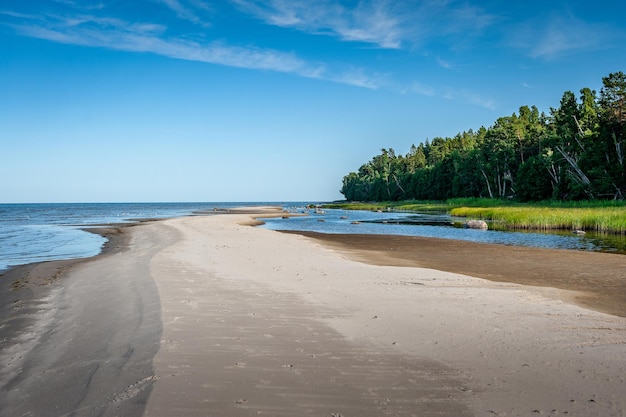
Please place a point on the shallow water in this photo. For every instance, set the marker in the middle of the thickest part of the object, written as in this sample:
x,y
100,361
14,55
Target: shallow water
x,y
45,232
438,225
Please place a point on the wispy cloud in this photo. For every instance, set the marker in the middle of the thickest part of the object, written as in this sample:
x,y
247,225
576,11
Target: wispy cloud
x,y
562,34
384,23
421,89
443,63
190,11
358,78
370,22
118,34
82,4
468,18
112,33
19,15
470,97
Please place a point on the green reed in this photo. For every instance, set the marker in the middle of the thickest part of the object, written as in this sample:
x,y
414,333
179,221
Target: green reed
x,y
598,216
417,206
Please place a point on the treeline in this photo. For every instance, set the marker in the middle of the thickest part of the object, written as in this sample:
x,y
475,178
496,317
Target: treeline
x,y
576,152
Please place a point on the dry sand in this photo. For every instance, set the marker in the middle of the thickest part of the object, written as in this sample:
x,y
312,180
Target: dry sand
x,y
256,322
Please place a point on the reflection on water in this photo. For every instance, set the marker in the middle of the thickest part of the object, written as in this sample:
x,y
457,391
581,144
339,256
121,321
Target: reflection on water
x,y
439,225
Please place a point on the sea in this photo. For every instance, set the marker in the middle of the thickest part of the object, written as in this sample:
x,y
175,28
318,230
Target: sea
x,y
44,232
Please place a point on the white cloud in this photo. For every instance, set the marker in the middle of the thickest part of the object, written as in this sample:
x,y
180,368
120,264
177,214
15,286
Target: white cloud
x,y
467,18
387,24
117,34
370,22
84,4
421,89
357,78
190,12
444,64
18,15
374,23
563,34
470,97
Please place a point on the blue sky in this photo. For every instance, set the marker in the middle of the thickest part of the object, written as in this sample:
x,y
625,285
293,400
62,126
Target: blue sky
x,y
276,100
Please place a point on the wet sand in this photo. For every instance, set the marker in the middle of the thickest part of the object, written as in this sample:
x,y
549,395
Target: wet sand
x,y
598,279
209,316
78,337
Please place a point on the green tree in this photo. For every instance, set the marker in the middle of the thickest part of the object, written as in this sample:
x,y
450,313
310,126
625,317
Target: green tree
x,y
533,181
612,127
568,146
498,157
576,152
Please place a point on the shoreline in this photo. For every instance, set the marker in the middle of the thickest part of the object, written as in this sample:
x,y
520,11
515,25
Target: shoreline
x,y
592,280
76,339
208,314
26,283
22,287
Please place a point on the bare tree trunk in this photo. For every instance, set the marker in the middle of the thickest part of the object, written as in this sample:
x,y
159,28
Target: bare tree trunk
x,y
398,183
521,149
580,131
554,175
618,150
487,181
579,173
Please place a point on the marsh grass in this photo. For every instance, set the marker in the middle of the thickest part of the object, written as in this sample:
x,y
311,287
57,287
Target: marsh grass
x,y
421,206
599,219
596,216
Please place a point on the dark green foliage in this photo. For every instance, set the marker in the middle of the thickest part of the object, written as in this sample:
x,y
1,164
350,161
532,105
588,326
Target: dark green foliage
x,y
577,152
532,182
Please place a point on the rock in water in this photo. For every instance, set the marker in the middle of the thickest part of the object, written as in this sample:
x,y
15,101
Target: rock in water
x,y
476,224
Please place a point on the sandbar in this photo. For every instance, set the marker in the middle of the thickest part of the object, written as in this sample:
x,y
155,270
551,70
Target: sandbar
x,y
207,315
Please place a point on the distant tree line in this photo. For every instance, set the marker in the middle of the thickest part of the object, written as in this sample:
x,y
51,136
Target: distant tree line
x,y
576,152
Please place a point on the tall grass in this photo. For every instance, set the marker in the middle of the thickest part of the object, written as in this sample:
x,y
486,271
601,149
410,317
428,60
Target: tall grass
x,y
598,219
597,216
439,206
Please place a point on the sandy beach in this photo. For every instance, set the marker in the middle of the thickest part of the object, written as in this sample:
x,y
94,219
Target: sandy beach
x,y
207,316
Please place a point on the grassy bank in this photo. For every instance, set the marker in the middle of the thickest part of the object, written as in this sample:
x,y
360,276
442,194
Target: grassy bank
x,y
597,216
605,220
417,206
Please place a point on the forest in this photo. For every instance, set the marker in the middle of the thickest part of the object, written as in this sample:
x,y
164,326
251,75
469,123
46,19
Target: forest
x,y
576,152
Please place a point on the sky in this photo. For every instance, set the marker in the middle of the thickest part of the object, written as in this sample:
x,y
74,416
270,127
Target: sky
x,y
275,100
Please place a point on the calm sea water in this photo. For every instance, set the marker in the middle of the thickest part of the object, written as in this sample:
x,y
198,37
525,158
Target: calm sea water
x,y
44,232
